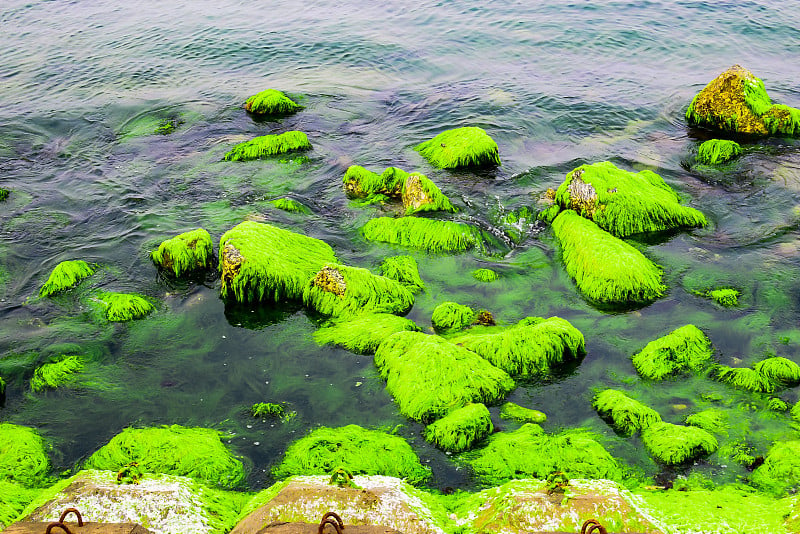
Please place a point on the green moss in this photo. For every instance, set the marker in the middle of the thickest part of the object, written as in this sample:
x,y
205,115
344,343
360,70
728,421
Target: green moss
x,y
777,405
605,268
780,370
267,409
461,147
549,214
528,349
15,498
780,471
262,262
624,203
684,349
357,450
423,234
403,269
362,183
780,119
460,429
175,450
3,194
363,333
712,420
2,387
674,444
484,275
119,307
727,297
421,194
429,376
53,375
715,151
185,252
290,205
745,378
628,415
518,413
23,459
452,316
268,145
167,126
270,102
530,453
66,275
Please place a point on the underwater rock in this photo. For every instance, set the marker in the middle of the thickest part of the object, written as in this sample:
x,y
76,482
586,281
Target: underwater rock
x,y
66,275
736,101
712,420
270,102
780,471
421,194
744,378
267,409
403,269
452,316
780,370
727,297
674,444
416,190
55,374
605,268
520,414
268,145
428,376
716,151
263,262
424,234
777,405
628,415
624,203
23,458
120,307
684,349
484,275
4,194
196,453
185,252
461,147
460,429
528,349
363,333
356,450
290,205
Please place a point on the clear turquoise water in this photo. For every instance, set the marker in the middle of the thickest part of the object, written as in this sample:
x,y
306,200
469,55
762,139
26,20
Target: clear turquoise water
x,y
557,85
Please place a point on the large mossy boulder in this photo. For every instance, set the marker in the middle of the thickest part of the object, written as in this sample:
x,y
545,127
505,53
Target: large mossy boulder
x,y
606,269
185,252
263,262
428,376
268,145
737,102
675,444
461,147
627,415
461,428
66,275
363,333
684,349
23,457
423,234
624,203
417,192
270,102
356,450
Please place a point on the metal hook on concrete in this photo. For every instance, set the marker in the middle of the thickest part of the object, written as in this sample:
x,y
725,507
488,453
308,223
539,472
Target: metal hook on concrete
x,y
58,524
331,522
334,515
68,511
593,525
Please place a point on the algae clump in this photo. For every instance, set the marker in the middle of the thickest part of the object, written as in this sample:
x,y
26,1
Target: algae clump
x,y
120,307
270,102
484,275
3,194
290,205
515,412
357,450
268,145
452,316
675,444
627,414
461,428
461,147
712,420
424,234
364,333
780,370
685,348
403,269
55,374
196,453
716,151
13,500
23,459
267,409
780,471
727,297
185,252
66,275
745,378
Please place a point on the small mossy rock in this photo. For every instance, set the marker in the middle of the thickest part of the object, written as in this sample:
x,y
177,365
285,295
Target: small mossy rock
x,y
66,275
530,453
531,348
462,147
452,316
120,307
727,297
196,453
23,458
429,376
460,429
712,420
270,102
675,444
267,409
268,145
520,414
403,269
263,262
363,333
55,374
780,471
290,205
4,194
357,450
421,194
605,268
484,275
362,183
777,405
745,378
624,203
716,151
423,234
15,498
185,252
684,349
780,370
627,415
736,101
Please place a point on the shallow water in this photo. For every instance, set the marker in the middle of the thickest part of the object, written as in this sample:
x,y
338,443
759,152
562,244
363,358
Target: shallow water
x,y
557,85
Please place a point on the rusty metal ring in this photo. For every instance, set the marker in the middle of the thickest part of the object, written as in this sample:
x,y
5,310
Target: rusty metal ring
x,y
58,524
68,511
593,525
334,515
331,522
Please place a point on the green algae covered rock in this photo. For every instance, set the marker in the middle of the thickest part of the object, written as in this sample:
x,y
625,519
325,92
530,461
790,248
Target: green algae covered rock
x,y
13,500
461,428
339,290
727,297
628,415
716,151
268,145
263,262
736,101
55,374
530,453
196,453
605,268
364,333
270,102
267,409
290,205
780,370
528,349
403,269
66,275
777,405
416,190
674,444
3,194
185,252
745,378
462,147
23,458
452,316
624,203
423,234
684,349
120,307
429,376
781,468
712,420
515,412
484,275
356,450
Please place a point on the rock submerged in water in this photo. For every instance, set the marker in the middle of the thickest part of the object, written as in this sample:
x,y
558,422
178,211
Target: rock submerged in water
x,y
461,147
268,145
66,275
185,252
460,429
364,333
684,349
417,192
270,102
423,234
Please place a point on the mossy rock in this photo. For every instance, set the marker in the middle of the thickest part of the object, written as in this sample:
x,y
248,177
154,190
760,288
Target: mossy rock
x,y
121,307
712,420
263,262
625,203
452,316
271,102
423,234
605,268
745,378
462,147
15,498
196,453
675,444
520,414
780,370
66,275
780,471
403,269
362,183
737,102
23,457
290,205
484,275
627,415
429,376
357,450
268,145
364,333
185,252
4,194
59,373
727,296
717,151
267,409
684,349
460,429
